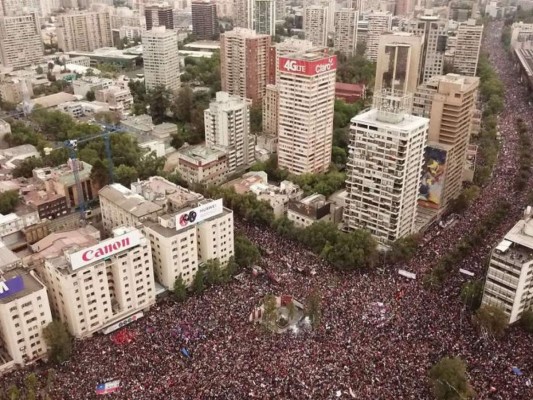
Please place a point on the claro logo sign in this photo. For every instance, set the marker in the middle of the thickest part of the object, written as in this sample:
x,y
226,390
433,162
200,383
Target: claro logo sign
x,y
104,249
325,66
308,67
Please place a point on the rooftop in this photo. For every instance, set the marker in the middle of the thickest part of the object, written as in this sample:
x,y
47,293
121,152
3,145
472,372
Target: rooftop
x,y
7,257
54,100
63,173
408,123
127,200
202,154
525,56
159,190
31,284
204,45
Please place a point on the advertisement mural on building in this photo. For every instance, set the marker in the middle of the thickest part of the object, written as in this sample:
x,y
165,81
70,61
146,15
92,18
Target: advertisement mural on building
x,y
308,67
11,286
199,214
433,177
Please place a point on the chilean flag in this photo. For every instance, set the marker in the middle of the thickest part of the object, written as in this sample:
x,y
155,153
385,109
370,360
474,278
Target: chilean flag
x,y
108,387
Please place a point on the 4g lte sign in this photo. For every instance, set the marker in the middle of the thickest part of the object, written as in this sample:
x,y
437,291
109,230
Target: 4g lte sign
x,y
309,68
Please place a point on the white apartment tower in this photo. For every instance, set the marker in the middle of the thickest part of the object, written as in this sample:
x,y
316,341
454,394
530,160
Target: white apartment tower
x,y
345,37
315,24
508,285
270,110
161,61
384,168
264,14
305,122
227,128
84,31
378,23
94,287
21,44
467,48
243,13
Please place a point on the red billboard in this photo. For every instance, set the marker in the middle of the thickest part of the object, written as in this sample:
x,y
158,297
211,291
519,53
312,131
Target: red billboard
x,y
310,68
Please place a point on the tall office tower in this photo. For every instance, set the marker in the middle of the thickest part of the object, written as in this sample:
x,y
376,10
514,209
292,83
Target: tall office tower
x,y
383,171
305,121
331,6
227,128
225,8
270,110
345,37
161,61
281,10
435,35
84,31
243,13
508,282
159,15
467,48
404,7
244,63
449,102
316,25
264,14
20,41
378,23
398,64
9,8
288,46
204,20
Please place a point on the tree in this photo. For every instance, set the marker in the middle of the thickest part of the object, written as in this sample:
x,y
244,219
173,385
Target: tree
x,y
58,340
54,124
56,157
198,283
316,236
313,308
472,293
150,165
159,101
404,248
269,317
30,384
26,167
100,174
180,289
213,272
465,199
177,141
90,96
492,319
449,380
285,227
125,175
355,250
13,393
526,320
8,201
183,104
256,119
339,156
246,253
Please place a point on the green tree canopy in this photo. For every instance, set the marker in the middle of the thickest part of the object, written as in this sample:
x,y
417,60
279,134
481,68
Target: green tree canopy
x,y
26,167
449,380
125,175
246,253
313,308
526,321
472,293
492,319
316,236
8,201
355,250
90,95
180,289
58,340
404,248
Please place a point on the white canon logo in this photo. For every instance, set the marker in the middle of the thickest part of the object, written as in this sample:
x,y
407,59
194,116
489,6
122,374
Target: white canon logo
x,y
292,65
324,67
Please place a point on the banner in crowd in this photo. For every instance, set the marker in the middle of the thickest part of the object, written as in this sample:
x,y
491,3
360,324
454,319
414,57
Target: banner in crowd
x,y
108,387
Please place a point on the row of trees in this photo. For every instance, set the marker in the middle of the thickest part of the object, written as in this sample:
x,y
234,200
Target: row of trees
x,y
524,155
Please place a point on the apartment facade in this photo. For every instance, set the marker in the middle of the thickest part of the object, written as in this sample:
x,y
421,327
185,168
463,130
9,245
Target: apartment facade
x,y
467,49
204,20
315,25
21,44
270,110
345,37
244,63
264,13
305,121
378,23
159,15
384,167
161,61
227,128
84,31
243,13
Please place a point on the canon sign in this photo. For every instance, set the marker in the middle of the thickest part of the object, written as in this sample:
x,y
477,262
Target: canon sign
x,y
309,68
104,249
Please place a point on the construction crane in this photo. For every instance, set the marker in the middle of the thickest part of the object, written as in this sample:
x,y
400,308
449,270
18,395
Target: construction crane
x,y
72,147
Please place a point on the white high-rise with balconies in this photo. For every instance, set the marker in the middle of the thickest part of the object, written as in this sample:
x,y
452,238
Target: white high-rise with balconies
x,y
161,61
21,44
384,168
467,48
315,24
264,17
378,23
345,37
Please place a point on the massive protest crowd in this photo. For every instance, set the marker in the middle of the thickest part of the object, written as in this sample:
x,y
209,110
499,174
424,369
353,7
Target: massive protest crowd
x,y
353,353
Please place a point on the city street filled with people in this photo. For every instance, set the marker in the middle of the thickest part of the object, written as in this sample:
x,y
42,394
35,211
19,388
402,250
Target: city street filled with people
x,y
350,354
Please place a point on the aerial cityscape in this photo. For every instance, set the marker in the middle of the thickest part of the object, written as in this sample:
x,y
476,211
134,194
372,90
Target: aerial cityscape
x,y
266,199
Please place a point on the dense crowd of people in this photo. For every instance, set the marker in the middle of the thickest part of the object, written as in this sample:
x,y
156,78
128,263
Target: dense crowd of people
x,y
380,332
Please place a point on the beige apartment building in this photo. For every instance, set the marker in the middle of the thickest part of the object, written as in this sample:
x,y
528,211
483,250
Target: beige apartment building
x,y
84,31
305,121
345,37
449,102
24,313
243,13
21,44
202,164
378,23
244,57
94,287
398,62
161,60
270,110
315,25
285,48
467,49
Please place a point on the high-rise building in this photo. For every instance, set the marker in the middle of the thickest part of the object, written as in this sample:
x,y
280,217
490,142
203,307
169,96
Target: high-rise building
x,y
434,31
159,15
450,103
84,31
204,20
378,23
10,8
243,13
94,287
288,46
467,49
398,62
508,283
404,7
345,37
20,41
264,14
227,128
24,313
244,63
270,110
315,24
225,8
281,10
305,122
384,167
161,61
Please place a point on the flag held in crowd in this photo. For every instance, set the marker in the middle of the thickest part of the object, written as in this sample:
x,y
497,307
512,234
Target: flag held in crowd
x,y
108,387
185,352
